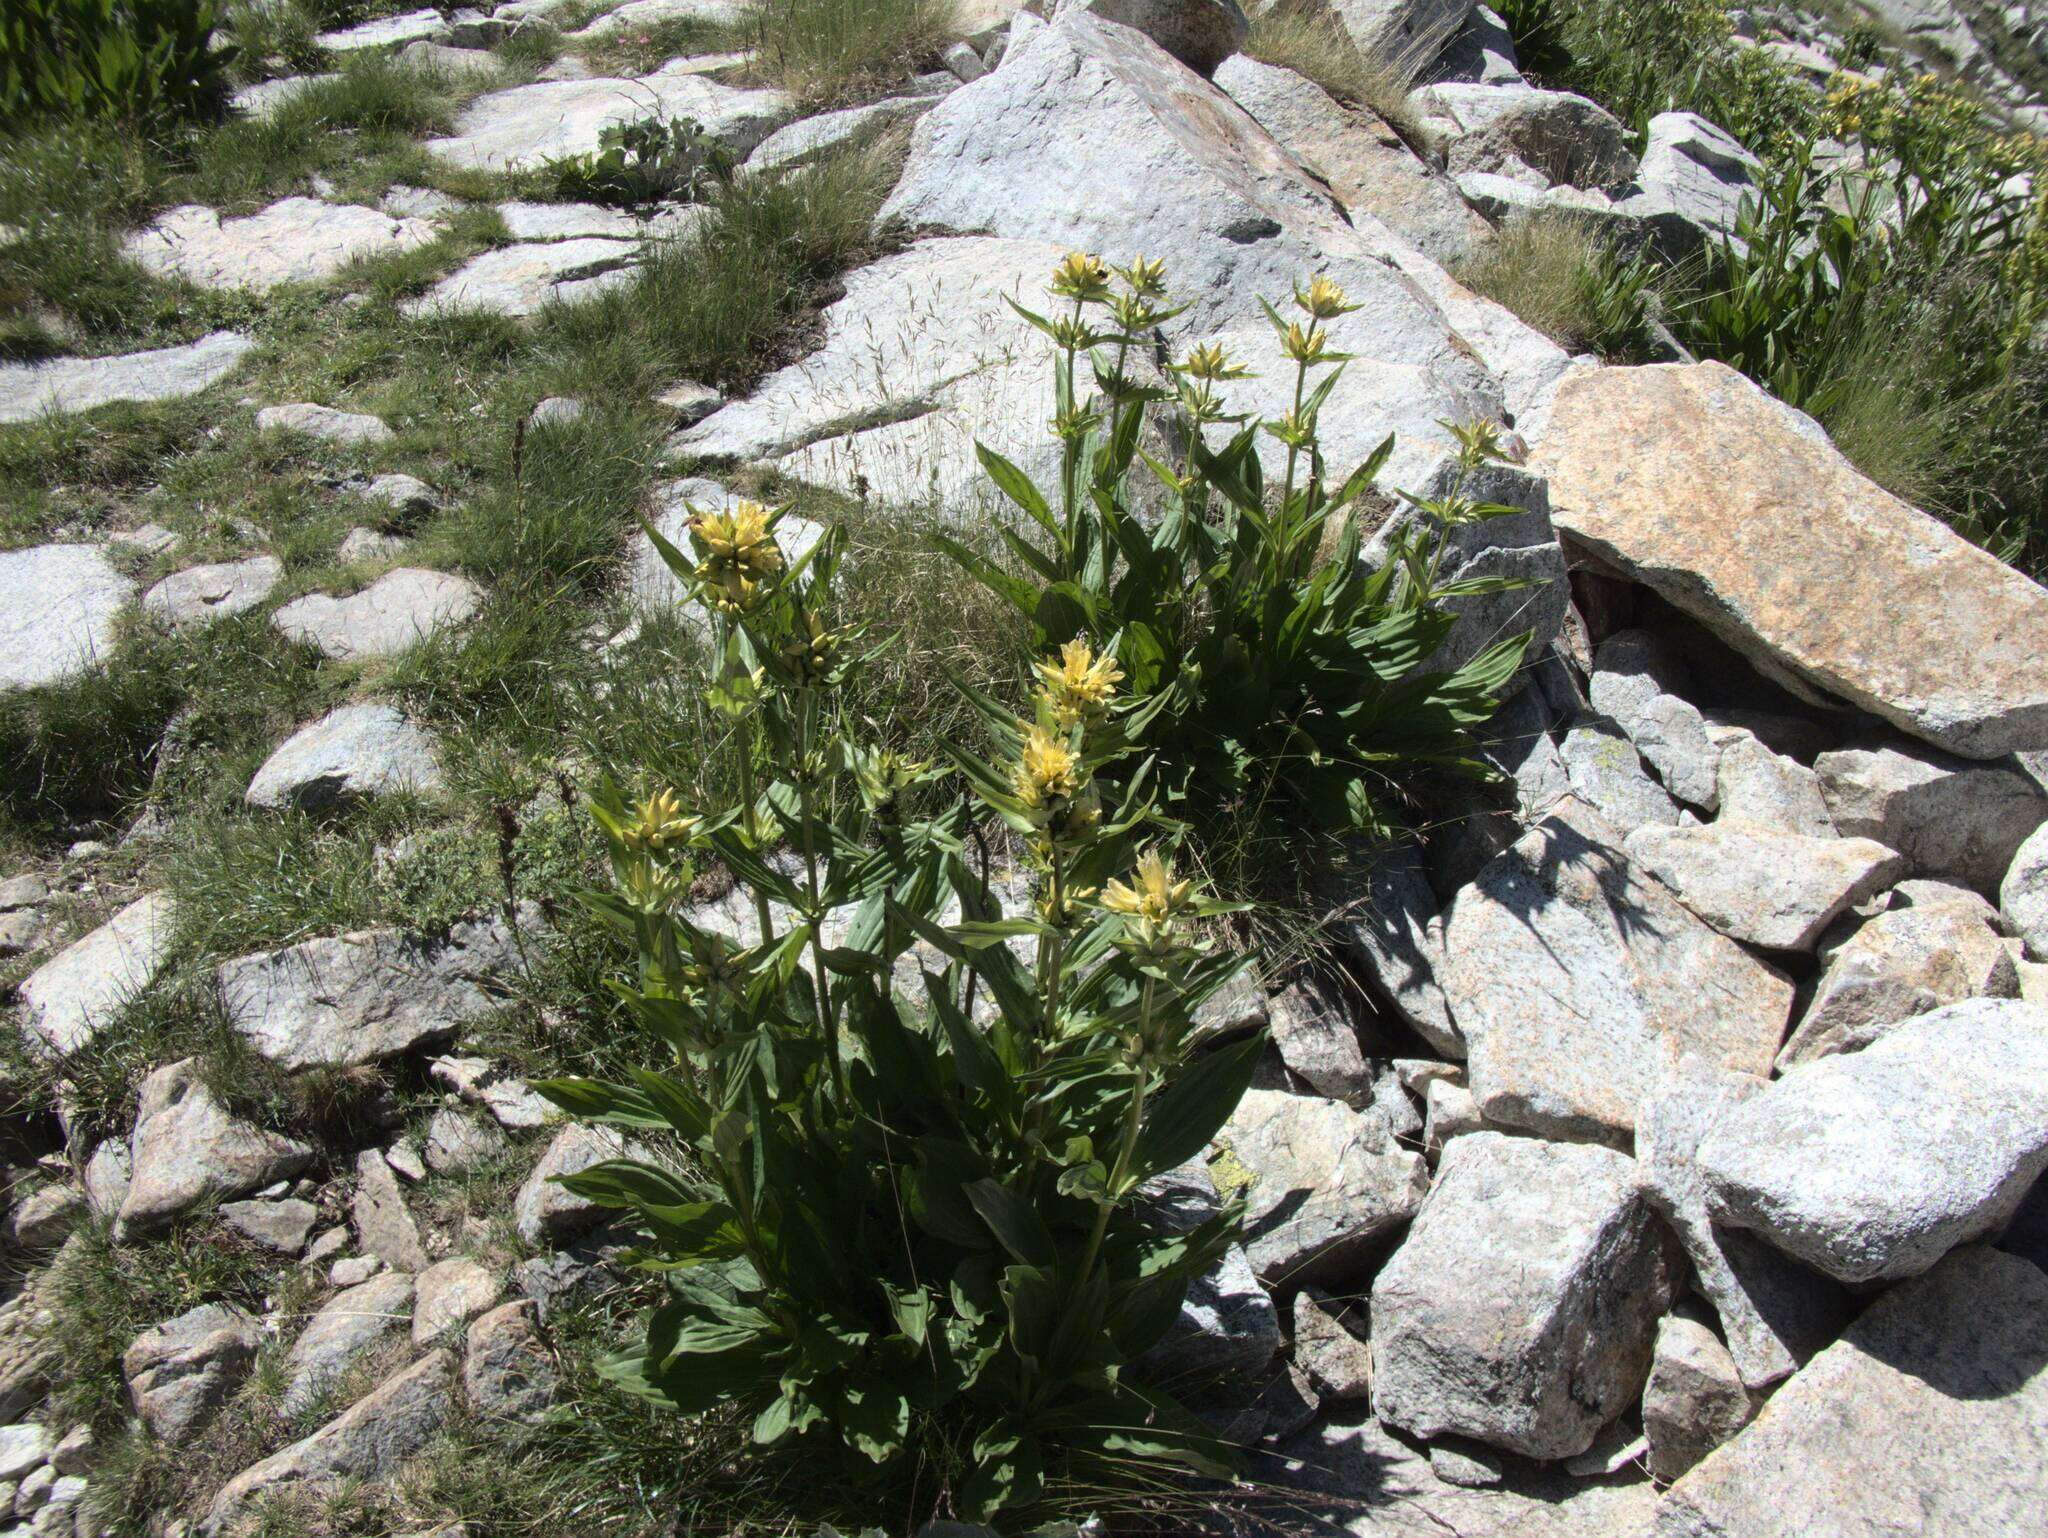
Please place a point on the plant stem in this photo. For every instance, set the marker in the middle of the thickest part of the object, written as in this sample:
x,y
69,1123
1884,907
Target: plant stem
x,y
828,1019
1133,1117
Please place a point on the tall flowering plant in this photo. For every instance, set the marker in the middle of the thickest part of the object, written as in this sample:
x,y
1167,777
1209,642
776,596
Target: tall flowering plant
x,y
891,1152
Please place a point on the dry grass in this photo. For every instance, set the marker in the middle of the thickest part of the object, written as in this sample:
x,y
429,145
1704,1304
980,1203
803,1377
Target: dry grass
x,y
1314,44
1557,274
829,53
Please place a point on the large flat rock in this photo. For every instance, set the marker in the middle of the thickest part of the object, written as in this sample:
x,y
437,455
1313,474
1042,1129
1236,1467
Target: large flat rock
x,y
356,752
58,604
400,609
74,995
366,996
519,280
1930,1416
1579,981
295,240
29,390
1736,508
529,125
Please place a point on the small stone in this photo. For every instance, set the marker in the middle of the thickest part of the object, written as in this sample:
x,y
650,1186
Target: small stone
x,y
1872,1165
1416,1074
1227,1329
1521,1309
1767,789
1387,917
507,1098
74,1451
151,539
1337,1361
1322,1183
555,411
354,1270
457,1144
182,1371
399,610
187,1149
1948,816
1771,889
1449,1111
107,1176
1317,1038
23,1447
1472,1465
964,63
406,495
355,753
1637,683
326,1244
23,891
406,1163
366,547
508,1369
34,1490
347,1326
527,278
384,1225
199,595
1615,1449
690,402
322,422
451,1293
1694,1400
283,1225
43,1218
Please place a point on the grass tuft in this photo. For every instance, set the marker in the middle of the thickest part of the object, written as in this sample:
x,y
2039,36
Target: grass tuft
x,y
1313,43
829,53
1559,275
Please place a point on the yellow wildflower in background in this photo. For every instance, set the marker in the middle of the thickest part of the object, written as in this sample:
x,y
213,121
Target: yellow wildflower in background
x,y
659,823
1082,278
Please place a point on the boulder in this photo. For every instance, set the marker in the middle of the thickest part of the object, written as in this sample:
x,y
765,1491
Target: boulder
x,y
524,279
1403,34
385,33
58,605
1521,1309
1774,1312
366,996
1873,1165
187,1149
1091,137
1604,771
508,1370
1690,183
1895,967
1366,165
323,422
529,125
1784,570
367,1442
1947,816
348,1326
1323,1184
355,753
1767,789
1929,1416
72,997
296,240
1695,1399
182,1371
399,610
2023,894
451,1293
1199,33
384,1224
547,1213
1777,890
1389,921
1547,137
63,385
1481,52
1578,981
1639,684
200,594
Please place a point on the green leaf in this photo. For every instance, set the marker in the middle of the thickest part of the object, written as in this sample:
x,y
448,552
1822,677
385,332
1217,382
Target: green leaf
x,y
1180,1122
1014,1221
1015,484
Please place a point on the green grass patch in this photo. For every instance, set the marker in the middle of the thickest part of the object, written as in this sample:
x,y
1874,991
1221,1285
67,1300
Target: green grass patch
x,y
828,53
1559,275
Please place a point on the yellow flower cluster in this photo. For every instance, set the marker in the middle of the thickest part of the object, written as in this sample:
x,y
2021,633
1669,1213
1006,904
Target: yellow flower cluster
x,y
1152,903
1047,771
1078,686
659,824
736,554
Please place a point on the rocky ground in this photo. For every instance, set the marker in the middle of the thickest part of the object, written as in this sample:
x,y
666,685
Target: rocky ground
x,y
1666,1160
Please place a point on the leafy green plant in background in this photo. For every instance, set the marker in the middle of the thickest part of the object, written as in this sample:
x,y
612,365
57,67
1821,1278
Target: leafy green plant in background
x,y
129,61
1275,666
905,1130
644,161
